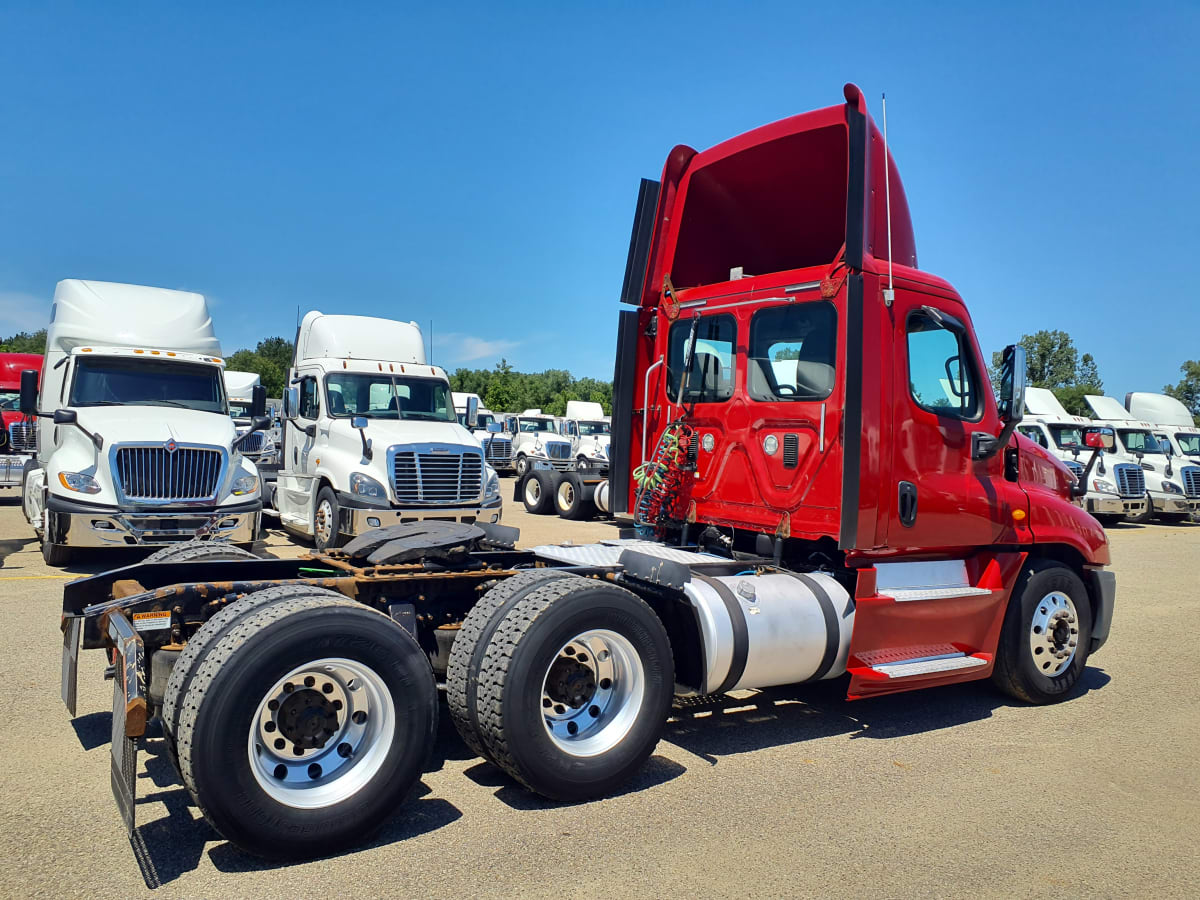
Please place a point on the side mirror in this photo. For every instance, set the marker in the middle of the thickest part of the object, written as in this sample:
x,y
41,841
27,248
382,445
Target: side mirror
x,y
65,417
1012,384
29,391
258,401
472,412
291,403
1100,438
495,427
360,423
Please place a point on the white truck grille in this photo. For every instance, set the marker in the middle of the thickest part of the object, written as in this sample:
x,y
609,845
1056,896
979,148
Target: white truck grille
x,y
558,450
1076,469
254,443
1191,481
1131,480
497,449
157,474
22,437
438,478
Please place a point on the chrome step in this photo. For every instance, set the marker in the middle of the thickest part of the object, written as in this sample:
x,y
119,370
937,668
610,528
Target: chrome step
x,y
928,665
901,595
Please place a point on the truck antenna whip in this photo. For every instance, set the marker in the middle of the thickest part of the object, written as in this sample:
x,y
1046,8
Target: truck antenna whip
x,y
889,295
431,342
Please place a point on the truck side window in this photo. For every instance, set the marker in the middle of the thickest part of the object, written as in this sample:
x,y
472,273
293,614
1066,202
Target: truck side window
x,y
793,351
710,378
310,406
1034,434
941,370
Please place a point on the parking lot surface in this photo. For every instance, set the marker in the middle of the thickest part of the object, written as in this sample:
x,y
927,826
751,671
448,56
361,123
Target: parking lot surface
x,y
789,792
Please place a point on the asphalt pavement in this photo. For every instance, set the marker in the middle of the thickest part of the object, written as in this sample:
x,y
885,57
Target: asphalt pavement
x,y
790,792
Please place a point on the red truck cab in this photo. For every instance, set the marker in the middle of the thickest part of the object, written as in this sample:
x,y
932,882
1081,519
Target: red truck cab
x,y
835,400
18,440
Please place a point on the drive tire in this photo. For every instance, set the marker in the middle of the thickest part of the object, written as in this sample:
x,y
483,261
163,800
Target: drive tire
x,y
516,669
200,551
537,492
206,637
462,670
327,508
572,498
220,727
1019,669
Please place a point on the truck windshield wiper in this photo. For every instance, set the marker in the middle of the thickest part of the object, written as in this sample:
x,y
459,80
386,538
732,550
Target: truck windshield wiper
x,y
424,415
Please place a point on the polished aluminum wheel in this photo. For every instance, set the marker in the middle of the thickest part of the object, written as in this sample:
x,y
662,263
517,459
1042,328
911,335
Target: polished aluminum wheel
x,y
1054,634
323,523
321,733
592,693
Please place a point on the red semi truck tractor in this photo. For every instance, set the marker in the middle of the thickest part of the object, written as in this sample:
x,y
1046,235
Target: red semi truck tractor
x,y
18,440
821,483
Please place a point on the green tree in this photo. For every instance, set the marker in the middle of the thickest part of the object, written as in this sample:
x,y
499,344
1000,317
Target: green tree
x,y
1187,389
270,361
25,342
1053,362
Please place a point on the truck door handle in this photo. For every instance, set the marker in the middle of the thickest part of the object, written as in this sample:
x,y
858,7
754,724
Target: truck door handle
x,y
907,503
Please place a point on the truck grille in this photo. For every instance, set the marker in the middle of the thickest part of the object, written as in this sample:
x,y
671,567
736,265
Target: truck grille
x,y
1131,480
558,450
254,443
437,477
497,449
159,474
1076,468
22,437
1191,481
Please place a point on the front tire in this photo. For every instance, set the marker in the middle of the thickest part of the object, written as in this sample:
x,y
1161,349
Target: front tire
x,y
1145,515
1046,636
521,466
305,726
55,554
327,517
538,492
574,688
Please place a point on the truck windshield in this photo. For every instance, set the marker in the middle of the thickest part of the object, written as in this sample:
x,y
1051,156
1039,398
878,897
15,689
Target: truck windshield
x,y
1136,440
239,409
381,396
125,381
531,425
484,421
587,429
10,399
1067,437
1188,443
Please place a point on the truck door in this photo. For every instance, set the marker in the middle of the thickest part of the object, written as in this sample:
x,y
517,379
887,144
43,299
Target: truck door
x,y
943,498
299,463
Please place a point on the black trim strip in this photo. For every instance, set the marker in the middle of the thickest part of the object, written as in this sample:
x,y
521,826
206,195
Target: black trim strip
x,y
639,243
833,633
620,444
856,188
852,425
741,635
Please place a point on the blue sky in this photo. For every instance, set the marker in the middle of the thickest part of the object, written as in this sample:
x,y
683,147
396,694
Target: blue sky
x,y
477,164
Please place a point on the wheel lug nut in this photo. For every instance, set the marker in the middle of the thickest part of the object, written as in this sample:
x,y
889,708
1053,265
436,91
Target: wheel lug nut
x,y
288,687
309,681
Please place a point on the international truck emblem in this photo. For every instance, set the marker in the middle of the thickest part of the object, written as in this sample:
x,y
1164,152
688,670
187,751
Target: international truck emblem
x,y
171,446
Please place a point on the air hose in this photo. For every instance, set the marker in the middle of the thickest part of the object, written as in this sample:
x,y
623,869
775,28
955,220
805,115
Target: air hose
x,y
661,479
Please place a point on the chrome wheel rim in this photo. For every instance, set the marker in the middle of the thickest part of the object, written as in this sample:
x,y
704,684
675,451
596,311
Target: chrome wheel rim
x,y
533,491
521,464
321,733
566,495
1054,634
592,693
323,526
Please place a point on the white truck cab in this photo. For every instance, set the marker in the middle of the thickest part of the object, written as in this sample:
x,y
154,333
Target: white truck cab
x,y
590,432
1176,432
135,443
1135,442
536,438
1109,498
489,430
239,388
370,436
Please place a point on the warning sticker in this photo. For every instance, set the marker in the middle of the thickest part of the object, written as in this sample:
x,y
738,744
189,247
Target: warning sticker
x,y
150,621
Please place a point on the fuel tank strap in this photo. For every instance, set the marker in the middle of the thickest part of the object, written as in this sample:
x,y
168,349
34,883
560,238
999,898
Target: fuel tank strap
x,y
741,635
832,627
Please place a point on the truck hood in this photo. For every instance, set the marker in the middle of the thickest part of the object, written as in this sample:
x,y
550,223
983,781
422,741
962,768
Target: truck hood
x,y
150,424
388,432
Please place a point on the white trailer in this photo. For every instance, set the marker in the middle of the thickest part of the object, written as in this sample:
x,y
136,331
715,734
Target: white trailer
x,y
135,443
370,436
489,430
1136,443
1109,498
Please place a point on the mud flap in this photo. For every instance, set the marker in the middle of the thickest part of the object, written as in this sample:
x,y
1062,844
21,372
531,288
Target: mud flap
x,y
129,713
72,628
124,760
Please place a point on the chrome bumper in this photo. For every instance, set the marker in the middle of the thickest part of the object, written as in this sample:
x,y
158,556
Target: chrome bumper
x,y
1174,503
359,520
149,529
11,468
1112,505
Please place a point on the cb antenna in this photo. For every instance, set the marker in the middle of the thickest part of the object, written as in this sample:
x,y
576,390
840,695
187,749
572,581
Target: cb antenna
x,y
889,295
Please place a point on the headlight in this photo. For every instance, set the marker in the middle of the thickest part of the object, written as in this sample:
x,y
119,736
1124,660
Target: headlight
x,y
245,484
1103,487
79,483
365,486
1169,487
492,491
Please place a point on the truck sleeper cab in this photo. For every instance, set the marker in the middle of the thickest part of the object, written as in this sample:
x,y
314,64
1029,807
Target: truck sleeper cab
x,y
370,436
1176,432
18,434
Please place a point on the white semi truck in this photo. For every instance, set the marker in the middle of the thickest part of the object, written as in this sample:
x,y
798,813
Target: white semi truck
x,y
135,443
590,432
1176,430
239,387
489,430
536,439
1111,496
1137,443
370,436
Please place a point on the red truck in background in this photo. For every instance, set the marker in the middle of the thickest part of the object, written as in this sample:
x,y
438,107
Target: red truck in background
x,y
19,438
